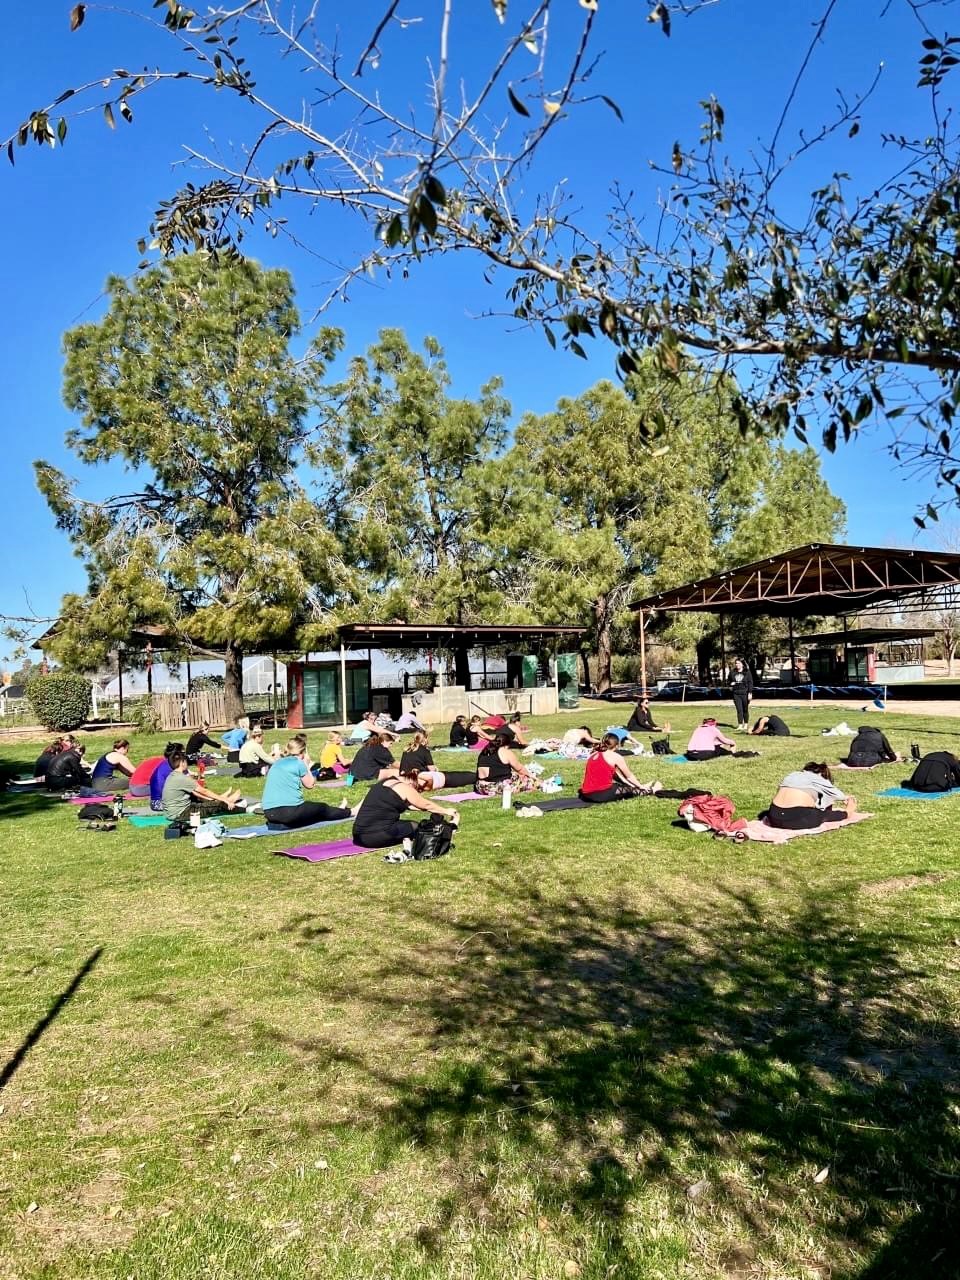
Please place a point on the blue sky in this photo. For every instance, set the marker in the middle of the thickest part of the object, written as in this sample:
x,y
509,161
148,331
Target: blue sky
x,y
71,218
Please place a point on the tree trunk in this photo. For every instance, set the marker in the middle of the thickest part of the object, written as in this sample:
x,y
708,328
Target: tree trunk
x,y
233,681
951,659
604,645
461,658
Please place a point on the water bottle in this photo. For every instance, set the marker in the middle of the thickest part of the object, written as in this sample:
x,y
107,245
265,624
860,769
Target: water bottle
x,y
506,798
348,780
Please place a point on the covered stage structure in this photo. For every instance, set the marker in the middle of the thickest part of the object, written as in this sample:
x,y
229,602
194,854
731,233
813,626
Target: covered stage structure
x,y
817,580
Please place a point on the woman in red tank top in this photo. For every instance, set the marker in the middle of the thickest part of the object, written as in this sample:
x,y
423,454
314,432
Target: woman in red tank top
x,y
607,776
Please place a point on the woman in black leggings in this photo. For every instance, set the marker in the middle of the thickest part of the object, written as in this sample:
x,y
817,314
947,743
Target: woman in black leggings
x,y
284,804
378,822
741,686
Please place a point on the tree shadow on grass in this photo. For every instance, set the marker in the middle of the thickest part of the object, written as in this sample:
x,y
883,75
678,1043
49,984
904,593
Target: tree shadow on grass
x,y
712,1050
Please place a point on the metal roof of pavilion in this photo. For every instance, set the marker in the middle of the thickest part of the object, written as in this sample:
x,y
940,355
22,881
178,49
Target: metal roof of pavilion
x,y
402,635
820,578
869,636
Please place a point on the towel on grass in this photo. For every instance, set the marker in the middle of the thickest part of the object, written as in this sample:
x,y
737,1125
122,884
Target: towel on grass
x,y
906,793
323,852
148,820
758,829
865,768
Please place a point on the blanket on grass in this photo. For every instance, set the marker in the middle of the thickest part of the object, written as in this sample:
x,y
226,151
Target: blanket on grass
x,y
907,793
758,829
323,852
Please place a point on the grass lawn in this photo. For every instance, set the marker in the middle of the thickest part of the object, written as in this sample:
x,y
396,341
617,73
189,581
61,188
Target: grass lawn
x,y
591,1044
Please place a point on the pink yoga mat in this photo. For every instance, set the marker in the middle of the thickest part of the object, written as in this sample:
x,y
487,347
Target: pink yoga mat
x,y
760,830
323,852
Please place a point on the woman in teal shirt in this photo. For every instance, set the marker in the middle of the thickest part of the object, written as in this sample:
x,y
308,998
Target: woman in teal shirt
x,y
283,801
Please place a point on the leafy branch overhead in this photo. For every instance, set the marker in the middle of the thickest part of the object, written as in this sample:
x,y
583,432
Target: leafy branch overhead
x,y
833,317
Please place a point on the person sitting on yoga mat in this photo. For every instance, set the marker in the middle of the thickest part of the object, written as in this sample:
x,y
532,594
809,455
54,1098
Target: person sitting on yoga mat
x,y
234,738
374,760
46,755
708,743
498,767
113,770
359,733
418,755
772,726
162,773
332,759
408,723
936,771
65,772
378,822
182,792
642,719
607,775
805,800
140,778
458,732
254,761
516,726
284,804
870,747
199,739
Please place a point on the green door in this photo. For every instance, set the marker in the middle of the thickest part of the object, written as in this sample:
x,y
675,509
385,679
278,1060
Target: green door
x,y
321,702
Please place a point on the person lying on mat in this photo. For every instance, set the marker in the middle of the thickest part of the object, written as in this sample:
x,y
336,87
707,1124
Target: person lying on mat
x,y
772,726
607,775
642,719
582,736
418,755
66,771
434,779
182,792
254,761
708,743
113,770
936,771
622,735
378,822
199,739
805,800
162,773
284,804
140,778
499,767
870,747
374,760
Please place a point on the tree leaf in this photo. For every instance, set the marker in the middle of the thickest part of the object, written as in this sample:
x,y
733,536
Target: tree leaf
x,y
434,189
108,116
394,232
61,129
613,106
551,108
77,15
516,103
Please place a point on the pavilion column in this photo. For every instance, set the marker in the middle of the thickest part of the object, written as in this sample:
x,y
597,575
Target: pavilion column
x,y
643,655
343,684
119,683
556,678
793,652
723,652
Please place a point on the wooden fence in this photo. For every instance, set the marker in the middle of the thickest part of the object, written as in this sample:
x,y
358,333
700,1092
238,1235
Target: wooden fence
x,y
187,711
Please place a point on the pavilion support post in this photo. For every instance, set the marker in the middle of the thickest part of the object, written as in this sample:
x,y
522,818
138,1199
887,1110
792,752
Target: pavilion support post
x,y
793,653
723,652
119,683
343,684
846,661
440,690
484,652
556,680
643,655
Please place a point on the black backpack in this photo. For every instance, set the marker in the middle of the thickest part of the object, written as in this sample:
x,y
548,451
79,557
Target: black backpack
x,y
433,838
89,812
661,747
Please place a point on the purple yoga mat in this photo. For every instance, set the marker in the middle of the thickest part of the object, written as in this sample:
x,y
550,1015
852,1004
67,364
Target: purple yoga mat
x,y
323,852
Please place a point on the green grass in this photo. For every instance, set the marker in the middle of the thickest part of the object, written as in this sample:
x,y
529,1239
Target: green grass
x,y
590,1044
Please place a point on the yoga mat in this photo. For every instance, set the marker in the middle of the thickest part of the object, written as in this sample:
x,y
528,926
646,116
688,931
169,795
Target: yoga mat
x,y
559,802
905,793
323,852
148,820
247,833
756,829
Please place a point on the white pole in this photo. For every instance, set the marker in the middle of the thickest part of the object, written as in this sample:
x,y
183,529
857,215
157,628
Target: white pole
x,y
93,696
343,684
441,693
556,682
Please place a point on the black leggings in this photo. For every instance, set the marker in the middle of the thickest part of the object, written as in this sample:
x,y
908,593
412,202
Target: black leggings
x,y
301,815
378,837
801,817
717,753
458,778
619,791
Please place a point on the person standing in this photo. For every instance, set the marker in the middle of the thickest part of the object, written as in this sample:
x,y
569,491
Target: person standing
x,y
741,686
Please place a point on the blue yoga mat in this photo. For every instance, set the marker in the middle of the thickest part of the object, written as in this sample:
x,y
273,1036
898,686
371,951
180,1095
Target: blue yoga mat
x,y
681,760
246,833
904,793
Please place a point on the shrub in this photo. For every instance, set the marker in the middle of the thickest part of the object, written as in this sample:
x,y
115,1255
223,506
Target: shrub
x,y
61,700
